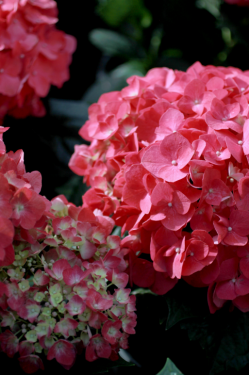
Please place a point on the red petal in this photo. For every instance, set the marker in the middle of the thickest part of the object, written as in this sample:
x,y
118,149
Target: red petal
x,y
31,363
63,351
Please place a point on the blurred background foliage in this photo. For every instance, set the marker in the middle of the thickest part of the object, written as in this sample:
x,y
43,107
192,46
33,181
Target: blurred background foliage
x,y
116,39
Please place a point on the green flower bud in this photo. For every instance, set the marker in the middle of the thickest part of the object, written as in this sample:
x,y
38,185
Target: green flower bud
x,y
39,296
24,285
38,348
31,336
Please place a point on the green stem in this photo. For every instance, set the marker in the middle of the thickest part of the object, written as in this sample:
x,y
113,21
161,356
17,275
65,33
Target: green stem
x,y
24,321
21,336
18,332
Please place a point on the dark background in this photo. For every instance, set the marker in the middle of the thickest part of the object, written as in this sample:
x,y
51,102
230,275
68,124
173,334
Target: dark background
x,y
116,39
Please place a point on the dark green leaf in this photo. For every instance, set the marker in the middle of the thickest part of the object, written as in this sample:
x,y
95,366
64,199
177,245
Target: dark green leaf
x,y
143,291
116,231
204,331
73,190
182,304
178,310
233,351
212,6
74,111
224,339
31,283
115,12
112,43
170,369
130,68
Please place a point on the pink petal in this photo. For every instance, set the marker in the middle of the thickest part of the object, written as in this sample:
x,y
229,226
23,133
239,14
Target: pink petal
x,y
76,305
241,286
143,274
87,250
63,351
72,276
31,363
170,121
59,266
226,290
9,85
176,147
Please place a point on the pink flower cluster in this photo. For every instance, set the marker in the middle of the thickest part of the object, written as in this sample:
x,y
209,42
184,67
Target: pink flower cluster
x,y
242,3
169,154
57,262
22,209
33,55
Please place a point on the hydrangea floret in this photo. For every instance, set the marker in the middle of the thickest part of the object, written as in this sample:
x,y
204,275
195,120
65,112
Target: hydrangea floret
x,y
63,275
171,151
33,55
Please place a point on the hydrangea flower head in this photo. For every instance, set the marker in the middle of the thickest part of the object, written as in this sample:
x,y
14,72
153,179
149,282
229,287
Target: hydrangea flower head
x,y
33,55
170,153
63,275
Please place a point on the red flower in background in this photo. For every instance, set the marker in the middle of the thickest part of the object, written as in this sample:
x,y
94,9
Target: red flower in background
x,y
33,55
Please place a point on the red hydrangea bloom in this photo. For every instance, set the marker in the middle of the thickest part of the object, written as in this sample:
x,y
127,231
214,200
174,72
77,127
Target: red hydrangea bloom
x,y
63,351
169,157
34,55
58,261
9,343
31,363
21,206
98,347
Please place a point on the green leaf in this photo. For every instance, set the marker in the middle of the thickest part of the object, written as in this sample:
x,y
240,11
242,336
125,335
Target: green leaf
x,y
112,43
115,12
170,369
143,291
73,189
130,68
75,112
224,338
212,6
30,280
116,231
